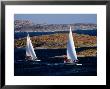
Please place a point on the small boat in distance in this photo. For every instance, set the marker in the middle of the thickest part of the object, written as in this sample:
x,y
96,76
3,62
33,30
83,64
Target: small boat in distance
x,y
71,52
30,53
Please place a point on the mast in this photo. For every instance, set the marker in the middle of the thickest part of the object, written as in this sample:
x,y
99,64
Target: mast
x,y
71,52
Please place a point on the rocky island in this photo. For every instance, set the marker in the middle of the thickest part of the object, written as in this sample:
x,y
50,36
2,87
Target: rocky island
x,y
59,41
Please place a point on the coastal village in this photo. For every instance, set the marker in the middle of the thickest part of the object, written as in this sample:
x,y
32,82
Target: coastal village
x,y
26,25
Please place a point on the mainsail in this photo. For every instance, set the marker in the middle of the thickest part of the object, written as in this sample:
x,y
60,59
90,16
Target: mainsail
x,y
30,50
71,52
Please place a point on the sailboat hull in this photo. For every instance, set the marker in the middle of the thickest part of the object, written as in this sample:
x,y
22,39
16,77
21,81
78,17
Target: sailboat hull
x,y
70,64
29,58
37,60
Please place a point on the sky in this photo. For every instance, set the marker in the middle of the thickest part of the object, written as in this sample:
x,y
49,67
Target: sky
x,y
58,18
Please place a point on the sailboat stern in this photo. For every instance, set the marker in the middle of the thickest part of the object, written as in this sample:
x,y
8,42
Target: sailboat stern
x,y
30,58
70,61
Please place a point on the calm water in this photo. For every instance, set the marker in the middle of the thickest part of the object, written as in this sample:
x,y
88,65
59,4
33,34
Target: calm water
x,y
51,66
24,34
87,32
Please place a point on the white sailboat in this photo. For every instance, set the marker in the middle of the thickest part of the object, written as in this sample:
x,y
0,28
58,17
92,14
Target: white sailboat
x,y
30,53
71,52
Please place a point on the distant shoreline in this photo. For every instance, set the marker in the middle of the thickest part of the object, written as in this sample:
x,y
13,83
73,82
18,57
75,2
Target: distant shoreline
x,y
57,31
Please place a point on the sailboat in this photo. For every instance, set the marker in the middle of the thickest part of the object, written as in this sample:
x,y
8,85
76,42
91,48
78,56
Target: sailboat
x,y
71,52
30,53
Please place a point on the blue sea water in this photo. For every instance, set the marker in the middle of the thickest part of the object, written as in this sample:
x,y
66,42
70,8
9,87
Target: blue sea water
x,y
87,32
18,35
50,65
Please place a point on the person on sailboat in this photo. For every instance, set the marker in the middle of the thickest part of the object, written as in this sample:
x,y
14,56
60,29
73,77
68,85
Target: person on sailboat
x,y
66,60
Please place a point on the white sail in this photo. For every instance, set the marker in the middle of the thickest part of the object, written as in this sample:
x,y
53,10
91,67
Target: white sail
x,y
29,49
71,52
